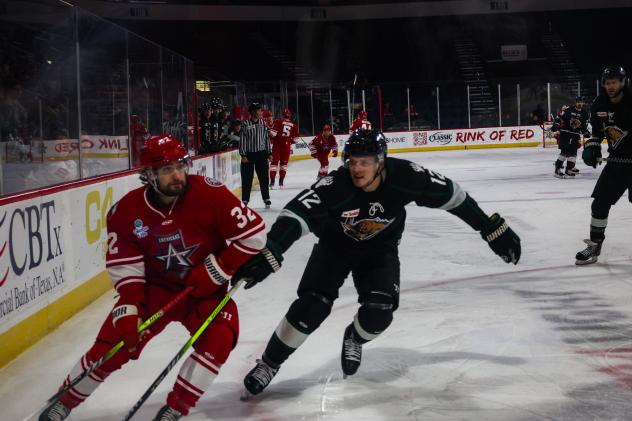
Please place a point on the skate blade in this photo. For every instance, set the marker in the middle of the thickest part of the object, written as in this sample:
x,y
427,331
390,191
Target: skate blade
x,y
245,395
586,262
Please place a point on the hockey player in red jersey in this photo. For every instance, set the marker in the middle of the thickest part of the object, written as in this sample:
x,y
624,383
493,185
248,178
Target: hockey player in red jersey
x,y
282,134
158,244
268,118
320,147
360,123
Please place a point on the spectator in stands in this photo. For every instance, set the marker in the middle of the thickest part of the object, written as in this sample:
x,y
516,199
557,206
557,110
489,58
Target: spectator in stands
x,y
205,128
538,116
231,139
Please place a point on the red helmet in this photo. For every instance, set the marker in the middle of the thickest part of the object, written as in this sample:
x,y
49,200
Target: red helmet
x,y
326,128
267,113
287,113
161,150
362,114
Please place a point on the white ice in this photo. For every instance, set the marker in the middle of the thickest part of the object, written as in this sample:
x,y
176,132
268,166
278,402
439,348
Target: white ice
x,y
473,339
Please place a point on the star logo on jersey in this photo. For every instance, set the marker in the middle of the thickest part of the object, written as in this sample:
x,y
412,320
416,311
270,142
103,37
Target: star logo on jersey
x,y
175,254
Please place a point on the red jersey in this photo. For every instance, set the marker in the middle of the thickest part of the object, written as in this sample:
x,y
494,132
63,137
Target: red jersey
x,y
147,244
360,123
283,132
322,146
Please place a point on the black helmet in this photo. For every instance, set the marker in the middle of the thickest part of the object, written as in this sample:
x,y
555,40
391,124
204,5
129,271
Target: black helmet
x,y
613,72
254,107
364,142
579,98
204,107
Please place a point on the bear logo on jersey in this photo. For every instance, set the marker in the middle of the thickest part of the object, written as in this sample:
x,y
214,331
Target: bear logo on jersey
x,y
614,135
365,229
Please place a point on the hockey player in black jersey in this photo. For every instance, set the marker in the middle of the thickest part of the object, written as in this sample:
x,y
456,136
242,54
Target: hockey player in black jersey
x,y
358,214
611,119
571,123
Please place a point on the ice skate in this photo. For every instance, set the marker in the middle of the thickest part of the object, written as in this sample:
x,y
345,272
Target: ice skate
x,y
272,184
167,413
56,412
559,173
575,170
280,184
589,254
268,203
258,379
351,354
569,173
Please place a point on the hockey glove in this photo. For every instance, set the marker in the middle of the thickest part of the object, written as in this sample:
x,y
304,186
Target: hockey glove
x,y
207,276
501,239
126,318
335,154
592,152
258,268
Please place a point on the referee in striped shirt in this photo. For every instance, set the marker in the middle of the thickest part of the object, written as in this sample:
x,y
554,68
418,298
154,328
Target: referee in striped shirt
x,y
255,150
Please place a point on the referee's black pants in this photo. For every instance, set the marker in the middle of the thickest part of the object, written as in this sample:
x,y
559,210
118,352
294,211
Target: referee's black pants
x,y
257,161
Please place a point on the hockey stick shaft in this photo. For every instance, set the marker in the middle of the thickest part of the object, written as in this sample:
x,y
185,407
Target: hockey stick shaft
x,y
182,351
115,349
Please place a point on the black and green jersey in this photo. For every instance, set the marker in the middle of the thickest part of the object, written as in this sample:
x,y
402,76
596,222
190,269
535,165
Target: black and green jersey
x,y
345,217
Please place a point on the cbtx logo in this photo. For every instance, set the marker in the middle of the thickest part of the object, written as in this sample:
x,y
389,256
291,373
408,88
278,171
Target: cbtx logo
x,y
32,236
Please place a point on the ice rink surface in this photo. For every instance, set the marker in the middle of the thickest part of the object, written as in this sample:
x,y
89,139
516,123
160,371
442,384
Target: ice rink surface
x,y
474,338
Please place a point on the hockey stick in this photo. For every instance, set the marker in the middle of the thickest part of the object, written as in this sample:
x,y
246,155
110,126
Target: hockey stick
x,y
183,350
112,351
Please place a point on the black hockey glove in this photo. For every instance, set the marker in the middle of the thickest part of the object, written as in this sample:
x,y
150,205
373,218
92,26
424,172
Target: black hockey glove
x,y
501,239
592,153
258,268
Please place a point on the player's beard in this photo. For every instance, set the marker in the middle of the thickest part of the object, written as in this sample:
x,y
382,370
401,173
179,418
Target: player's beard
x,y
175,188
614,93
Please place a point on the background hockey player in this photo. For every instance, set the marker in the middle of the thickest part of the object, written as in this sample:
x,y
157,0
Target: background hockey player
x,y
357,212
360,123
268,117
571,123
611,118
158,243
283,134
321,146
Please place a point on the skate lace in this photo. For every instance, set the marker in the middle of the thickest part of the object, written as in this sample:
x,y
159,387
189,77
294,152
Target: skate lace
x,y
353,350
263,372
590,249
58,412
